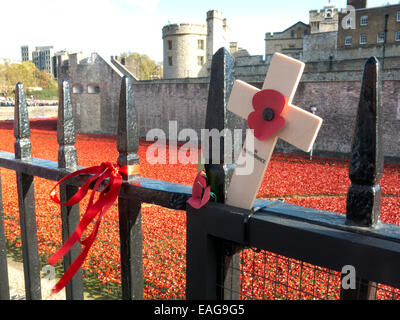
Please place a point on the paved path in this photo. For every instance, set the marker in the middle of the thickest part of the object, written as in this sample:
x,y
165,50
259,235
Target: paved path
x,y
17,287
34,112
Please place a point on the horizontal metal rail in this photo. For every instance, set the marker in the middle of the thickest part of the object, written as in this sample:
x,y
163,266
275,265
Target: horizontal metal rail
x,y
314,236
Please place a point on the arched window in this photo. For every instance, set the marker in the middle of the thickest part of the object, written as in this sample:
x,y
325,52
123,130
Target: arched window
x,y
77,88
93,88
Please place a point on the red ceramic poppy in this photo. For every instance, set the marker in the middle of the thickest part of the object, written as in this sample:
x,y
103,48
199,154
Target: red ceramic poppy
x,y
198,199
267,119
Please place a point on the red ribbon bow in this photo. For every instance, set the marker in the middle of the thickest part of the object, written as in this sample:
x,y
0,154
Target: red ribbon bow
x,y
95,208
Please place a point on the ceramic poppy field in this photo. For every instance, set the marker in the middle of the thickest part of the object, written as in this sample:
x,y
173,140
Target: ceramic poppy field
x,y
321,183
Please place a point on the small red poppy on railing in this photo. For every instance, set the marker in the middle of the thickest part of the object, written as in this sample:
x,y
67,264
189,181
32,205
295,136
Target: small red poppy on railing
x,y
267,119
200,198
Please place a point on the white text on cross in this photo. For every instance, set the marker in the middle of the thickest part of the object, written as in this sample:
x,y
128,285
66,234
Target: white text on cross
x,y
300,129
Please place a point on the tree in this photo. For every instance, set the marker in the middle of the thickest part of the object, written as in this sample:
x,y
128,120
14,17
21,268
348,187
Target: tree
x,y
26,73
141,65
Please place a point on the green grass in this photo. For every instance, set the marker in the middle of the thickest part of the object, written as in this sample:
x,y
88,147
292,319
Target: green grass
x,y
47,94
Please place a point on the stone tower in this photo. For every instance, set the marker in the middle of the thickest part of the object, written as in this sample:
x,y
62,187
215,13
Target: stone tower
x,y
216,33
184,50
325,20
188,48
358,4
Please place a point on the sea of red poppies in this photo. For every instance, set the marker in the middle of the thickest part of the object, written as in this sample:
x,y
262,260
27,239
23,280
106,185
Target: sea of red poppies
x,y
321,183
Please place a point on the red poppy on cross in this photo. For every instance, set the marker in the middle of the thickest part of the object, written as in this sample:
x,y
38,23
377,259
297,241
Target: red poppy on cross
x,y
271,115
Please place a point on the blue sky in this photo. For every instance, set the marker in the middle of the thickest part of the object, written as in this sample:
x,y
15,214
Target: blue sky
x,y
114,26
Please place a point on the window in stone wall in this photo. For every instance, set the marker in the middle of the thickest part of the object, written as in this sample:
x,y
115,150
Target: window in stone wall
x,y
398,36
364,21
349,23
93,88
77,88
200,44
292,33
398,16
200,60
348,41
381,37
170,61
169,44
328,14
363,39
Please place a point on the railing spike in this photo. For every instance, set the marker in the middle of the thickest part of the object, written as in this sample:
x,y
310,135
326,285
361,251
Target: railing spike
x,y
366,167
67,159
23,147
67,156
128,135
129,211
218,117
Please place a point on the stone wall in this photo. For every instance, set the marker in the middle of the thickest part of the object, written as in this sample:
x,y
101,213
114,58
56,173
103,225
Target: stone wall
x,y
336,102
159,102
332,87
95,112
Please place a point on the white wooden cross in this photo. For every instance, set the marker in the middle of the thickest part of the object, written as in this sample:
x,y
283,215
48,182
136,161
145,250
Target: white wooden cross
x,y
300,129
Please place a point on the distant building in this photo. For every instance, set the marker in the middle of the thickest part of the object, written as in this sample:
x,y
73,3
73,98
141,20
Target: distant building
x,y
325,20
25,53
42,57
289,41
369,31
95,84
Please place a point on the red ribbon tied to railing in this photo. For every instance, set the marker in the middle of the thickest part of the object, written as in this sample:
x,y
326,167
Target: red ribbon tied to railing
x,y
97,208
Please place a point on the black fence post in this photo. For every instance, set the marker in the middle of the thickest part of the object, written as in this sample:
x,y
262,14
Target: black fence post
x,y
130,224
203,257
366,167
4,285
67,159
26,198
218,118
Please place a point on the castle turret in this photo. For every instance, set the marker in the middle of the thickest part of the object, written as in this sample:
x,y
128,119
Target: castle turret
x,y
216,33
184,50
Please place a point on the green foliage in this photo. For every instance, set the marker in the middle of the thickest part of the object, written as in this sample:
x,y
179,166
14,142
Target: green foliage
x,y
26,73
144,68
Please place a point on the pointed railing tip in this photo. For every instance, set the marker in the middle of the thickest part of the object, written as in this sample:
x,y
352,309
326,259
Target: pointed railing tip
x,y
22,144
366,166
127,133
67,155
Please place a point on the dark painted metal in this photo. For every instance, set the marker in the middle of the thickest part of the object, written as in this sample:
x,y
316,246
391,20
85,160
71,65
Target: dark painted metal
x,y
22,144
130,226
203,256
218,175
275,229
67,160
151,191
128,134
4,285
366,167
67,157
26,198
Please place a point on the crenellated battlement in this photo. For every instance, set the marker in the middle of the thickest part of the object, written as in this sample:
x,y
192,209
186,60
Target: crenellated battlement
x,y
184,28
